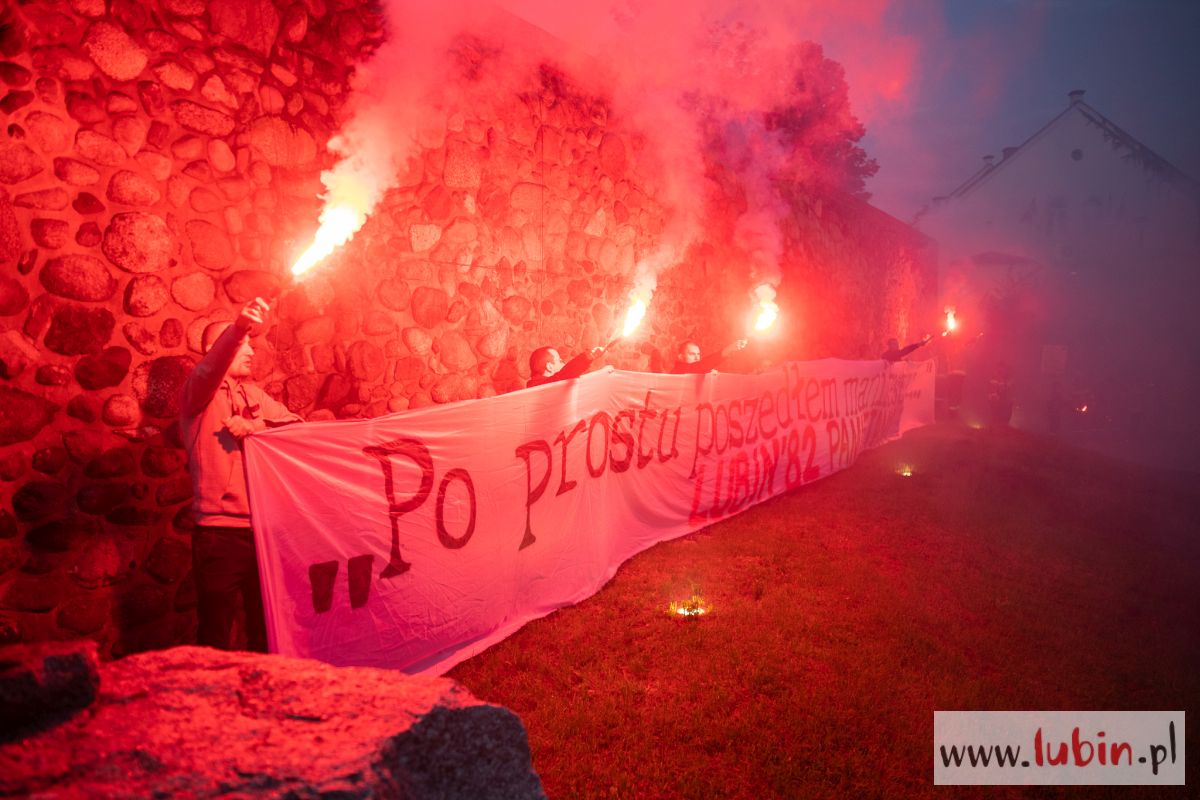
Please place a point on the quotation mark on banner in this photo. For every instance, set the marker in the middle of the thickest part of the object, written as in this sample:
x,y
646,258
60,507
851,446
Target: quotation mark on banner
x,y
323,576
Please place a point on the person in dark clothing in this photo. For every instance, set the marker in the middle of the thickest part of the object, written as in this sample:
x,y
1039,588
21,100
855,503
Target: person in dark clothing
x,y
546,365
689,362
895,352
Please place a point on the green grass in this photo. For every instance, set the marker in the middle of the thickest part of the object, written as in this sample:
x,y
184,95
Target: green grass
x,y
1008,572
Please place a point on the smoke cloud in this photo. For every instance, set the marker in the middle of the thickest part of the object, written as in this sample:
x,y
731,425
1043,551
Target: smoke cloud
x,y
671,69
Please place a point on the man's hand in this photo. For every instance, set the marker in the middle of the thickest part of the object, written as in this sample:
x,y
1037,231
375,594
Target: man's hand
x,y
733,347
927,337
253,313
596,352
240,427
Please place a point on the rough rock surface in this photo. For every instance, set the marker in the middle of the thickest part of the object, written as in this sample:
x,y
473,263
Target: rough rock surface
x,y
197,722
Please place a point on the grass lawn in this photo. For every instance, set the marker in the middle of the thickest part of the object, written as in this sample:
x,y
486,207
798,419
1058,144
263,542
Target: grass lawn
x,y
1007,572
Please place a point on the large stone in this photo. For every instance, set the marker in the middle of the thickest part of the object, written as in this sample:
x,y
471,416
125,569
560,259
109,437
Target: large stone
x,y
16,75
198,722
22,415
423,237
145,295
253,23
158,383
317,330
280,143
83,407
45,681
61,535
377,323
50,460
393,294
121,409
158,165
78,277
53,375
211,248
453,388
75,330
138,242
84,615
204,200
16,354
174,491
100,498
169,560
130,189
516,309
14,297
112,463
612,156
202,119
89,235
116,54
171,334
18,162
38,500
464,165
50,233
85,203
494,344
175,75
300,391
294,26
15,100
429,306
408,369
47,132
528,198
12,466
336,390
455,351
194,291
99,148
418,341
140,338
160,462
246,284
105,369
101,564
220,156
84,108
366,361
53,199
130,131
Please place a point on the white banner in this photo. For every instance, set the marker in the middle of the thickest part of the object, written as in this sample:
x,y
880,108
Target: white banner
x,y
416,540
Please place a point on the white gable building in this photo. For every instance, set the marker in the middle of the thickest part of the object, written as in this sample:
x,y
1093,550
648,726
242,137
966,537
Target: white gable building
x,y
1073,260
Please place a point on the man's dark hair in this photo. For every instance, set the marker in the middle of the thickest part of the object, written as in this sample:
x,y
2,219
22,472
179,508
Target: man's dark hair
x,y
538,360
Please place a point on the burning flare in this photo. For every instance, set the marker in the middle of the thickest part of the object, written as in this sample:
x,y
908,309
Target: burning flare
x,y
696,606
951,322
338,224
633,317
768,311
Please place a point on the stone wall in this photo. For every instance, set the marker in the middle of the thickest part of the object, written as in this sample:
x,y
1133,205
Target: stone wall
x,y
160,166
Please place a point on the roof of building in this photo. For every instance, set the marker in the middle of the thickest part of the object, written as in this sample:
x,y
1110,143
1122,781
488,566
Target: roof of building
x,y
1136,151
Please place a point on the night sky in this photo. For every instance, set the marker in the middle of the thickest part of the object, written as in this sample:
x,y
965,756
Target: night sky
x,y
990,73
